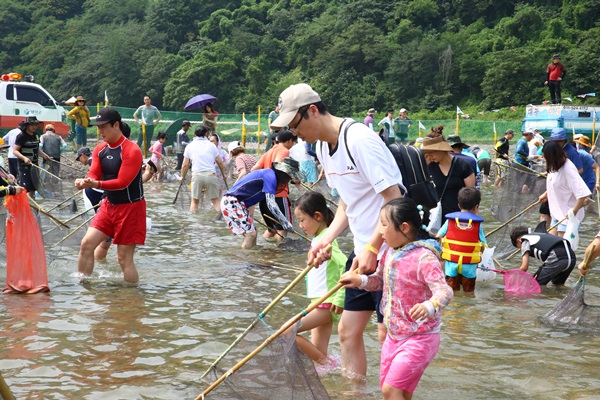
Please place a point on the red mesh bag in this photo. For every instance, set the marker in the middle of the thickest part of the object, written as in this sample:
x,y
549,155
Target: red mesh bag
x,y
26,270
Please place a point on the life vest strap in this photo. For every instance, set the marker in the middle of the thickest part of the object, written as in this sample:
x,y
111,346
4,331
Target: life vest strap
x,y
459,225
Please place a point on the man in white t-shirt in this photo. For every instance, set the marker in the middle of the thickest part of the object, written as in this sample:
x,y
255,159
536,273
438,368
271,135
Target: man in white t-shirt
x,y
387,123
202,154
9,138
358,165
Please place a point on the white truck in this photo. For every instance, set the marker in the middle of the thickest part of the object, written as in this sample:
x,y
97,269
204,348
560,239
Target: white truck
x,y
22,98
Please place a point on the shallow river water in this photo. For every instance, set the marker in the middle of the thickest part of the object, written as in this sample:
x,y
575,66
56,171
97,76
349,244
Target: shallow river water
x,y
198,290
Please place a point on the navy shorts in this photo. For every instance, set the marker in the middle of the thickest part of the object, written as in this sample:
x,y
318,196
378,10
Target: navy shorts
x,y
361,300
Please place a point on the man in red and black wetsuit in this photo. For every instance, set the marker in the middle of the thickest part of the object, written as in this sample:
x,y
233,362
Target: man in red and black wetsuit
x,y
555,73
116,169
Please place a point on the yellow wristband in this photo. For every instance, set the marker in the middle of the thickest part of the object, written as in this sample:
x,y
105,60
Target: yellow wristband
x,y
372,249
435,304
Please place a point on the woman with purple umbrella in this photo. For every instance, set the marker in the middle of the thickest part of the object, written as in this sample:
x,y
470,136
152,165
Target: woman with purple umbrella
x,y
209,118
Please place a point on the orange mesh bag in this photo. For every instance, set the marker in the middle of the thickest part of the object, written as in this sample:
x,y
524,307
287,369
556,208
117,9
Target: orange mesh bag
x,y
25,254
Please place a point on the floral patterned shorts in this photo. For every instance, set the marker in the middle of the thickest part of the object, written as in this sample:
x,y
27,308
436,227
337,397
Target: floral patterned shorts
x,y
237,216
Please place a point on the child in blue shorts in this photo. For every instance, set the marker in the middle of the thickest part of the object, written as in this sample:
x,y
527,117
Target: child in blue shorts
x,y
463,241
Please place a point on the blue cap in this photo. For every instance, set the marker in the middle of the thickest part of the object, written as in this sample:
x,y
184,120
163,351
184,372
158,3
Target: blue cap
x,y
558,134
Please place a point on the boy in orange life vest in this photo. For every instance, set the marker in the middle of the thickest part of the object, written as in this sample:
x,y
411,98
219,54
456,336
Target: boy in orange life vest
x,y
463,241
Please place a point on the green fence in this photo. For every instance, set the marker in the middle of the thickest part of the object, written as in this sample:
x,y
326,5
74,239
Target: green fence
x,y
231,126
477,132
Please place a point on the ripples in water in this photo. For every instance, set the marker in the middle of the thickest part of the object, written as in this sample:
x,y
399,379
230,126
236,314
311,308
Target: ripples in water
x,y
198,290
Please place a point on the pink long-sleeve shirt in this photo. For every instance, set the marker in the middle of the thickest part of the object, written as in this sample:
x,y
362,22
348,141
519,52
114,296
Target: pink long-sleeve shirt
x,y
156,149
409,276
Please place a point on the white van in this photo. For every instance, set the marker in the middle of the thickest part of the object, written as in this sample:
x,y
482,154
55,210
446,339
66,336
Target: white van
x,y
20,99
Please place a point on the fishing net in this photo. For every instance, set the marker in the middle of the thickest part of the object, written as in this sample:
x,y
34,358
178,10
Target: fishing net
x,y
77,220
184,196
520,283
279,372
51,184
25,253
572,311
520,189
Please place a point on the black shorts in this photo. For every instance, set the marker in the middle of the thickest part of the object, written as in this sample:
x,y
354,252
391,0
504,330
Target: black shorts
x,y
545,209
285,208
485,165
26,178
13,166
361,300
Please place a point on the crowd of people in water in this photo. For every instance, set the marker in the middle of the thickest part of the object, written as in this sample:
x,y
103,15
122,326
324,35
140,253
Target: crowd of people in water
x,y
407,260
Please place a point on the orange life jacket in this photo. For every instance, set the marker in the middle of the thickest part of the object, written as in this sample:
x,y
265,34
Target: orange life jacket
x,y
461,243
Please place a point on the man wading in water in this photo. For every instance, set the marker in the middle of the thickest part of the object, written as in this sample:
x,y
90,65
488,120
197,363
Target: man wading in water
x,y
357,164
116,168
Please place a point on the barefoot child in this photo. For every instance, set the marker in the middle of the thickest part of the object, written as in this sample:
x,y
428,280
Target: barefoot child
x,y
463,241
237,203
314,217
414,292
156,150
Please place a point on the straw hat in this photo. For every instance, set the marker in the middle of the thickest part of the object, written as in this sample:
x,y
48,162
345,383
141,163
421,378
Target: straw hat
x,y
435,144
71,101
584,140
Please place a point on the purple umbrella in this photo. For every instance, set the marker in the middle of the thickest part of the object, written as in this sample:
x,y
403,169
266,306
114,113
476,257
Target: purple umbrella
x,y
199,101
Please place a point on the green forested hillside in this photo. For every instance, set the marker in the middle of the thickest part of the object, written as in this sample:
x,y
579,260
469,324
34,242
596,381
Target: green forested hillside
x,y
420,54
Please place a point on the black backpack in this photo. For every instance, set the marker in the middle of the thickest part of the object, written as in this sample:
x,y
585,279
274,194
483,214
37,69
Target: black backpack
x,y
413,168
415,174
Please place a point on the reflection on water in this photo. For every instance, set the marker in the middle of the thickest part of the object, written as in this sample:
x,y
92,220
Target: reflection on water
x,y
198,290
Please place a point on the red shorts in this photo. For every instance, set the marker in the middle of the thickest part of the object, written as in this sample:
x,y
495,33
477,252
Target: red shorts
x,y
125,223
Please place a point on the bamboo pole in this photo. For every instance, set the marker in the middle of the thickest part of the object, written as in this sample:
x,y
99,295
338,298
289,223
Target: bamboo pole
x,y
39,208
64,201
5,390
513,218
270,339
144,144
74,230
305,186
45,171
524,170
295,231
63,164
267,226
511,255
179,188
81,213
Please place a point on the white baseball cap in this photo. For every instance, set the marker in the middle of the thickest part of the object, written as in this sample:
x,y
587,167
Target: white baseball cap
x,y
234,145
402,110
290,100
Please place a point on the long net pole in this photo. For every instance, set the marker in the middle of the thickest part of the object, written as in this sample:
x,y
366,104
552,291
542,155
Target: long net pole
x,y
271,338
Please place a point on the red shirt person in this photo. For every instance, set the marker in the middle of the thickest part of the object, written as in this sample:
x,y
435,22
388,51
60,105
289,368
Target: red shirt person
x,y
116,169
555,73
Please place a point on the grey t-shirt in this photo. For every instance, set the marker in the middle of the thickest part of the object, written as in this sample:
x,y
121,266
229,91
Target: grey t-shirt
x,y
147,114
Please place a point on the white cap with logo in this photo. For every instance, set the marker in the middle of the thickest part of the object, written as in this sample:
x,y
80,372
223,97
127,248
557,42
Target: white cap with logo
x,y
290,100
